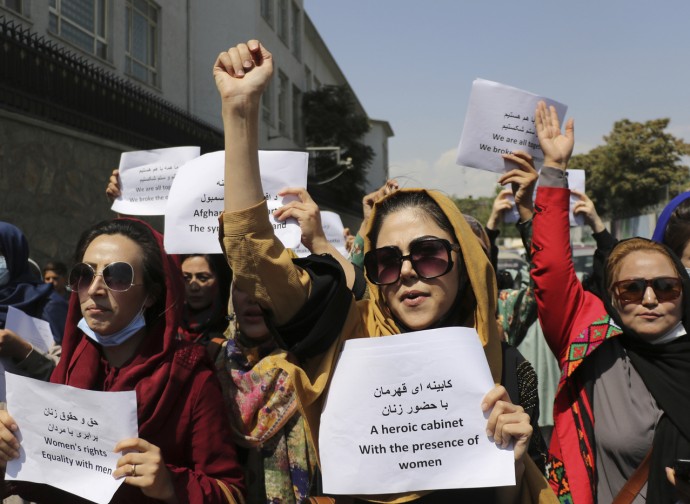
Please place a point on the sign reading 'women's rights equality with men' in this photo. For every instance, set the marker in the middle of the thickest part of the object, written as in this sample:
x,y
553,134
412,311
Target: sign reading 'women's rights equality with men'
x,y
196,200
403,414
67,436
500,120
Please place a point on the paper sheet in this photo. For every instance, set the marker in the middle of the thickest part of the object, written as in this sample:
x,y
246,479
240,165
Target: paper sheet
x,y
403,414
146,177
196,200
500,120
67,435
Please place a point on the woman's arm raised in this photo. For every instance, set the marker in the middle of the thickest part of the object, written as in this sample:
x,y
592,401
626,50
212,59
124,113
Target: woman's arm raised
x,y
241,74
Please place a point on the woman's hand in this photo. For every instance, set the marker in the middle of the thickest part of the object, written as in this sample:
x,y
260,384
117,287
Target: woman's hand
x,y
523,180
14,346
308,216
9,446
113,190
501,204
586,207
370,200
507,421
143,466
557,147
682,486
243,72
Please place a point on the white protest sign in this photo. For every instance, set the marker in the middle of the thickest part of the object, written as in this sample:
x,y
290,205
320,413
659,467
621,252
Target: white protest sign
x,y
146,177
334,230
197,199
67,435
33,330
403,414
576,180
500,120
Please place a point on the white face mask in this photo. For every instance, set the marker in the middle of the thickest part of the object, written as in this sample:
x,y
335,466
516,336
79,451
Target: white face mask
x,y
119,337
4,272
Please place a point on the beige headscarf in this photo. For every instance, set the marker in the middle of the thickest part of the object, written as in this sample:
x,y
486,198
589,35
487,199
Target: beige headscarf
x,y
372,318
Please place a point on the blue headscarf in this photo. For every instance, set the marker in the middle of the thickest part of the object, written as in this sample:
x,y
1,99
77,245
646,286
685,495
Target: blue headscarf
x,y
23,292
662,222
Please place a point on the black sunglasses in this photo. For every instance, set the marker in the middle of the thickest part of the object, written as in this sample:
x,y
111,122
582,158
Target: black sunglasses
x,y
117,276
430,258
632,291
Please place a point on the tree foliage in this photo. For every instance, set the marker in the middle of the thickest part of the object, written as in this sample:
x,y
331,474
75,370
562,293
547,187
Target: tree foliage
x,y
638,166
331,118
480,209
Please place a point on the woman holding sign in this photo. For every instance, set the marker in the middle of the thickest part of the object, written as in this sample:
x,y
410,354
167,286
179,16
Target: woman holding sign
x,y
621,410
121,333
425,266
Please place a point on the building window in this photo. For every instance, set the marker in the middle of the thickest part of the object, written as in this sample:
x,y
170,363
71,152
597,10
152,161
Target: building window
x,y
307,78
141,53
296,31
297,115
81,22
18,6
267,104
267,11
282,21
283,91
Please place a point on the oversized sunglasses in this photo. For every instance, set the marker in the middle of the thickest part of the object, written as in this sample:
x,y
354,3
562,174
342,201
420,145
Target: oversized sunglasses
x,y
117,276
632,291
430,258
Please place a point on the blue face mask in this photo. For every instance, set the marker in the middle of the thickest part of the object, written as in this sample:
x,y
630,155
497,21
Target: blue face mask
x,y
4,272
119,337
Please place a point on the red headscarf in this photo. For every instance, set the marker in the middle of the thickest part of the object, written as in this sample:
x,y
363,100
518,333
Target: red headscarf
x,y
158,370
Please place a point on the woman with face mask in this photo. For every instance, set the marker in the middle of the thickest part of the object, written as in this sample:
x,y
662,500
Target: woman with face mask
x,y
121,334
621,410
19,289
426,269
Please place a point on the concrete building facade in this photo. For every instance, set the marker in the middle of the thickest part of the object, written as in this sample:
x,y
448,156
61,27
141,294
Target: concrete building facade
x,y
82,81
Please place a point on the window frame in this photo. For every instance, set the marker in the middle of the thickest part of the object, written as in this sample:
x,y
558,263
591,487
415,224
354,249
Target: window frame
x,y
153,38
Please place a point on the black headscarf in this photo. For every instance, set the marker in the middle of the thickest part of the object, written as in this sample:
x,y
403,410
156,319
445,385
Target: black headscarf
x,y
665,370
23,291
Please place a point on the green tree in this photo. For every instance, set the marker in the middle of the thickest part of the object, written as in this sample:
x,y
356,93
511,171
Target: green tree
x,y
638,166
480,209
331,118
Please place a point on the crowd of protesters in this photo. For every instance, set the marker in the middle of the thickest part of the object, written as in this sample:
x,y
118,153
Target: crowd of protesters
x,y
231,356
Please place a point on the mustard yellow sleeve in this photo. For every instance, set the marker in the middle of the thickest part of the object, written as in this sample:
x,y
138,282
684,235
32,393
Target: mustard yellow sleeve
x,y
261,265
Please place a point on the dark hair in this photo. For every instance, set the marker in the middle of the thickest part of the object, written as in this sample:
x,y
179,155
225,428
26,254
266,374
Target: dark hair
x,y
677,231
154,272
220,268
56,266
401,200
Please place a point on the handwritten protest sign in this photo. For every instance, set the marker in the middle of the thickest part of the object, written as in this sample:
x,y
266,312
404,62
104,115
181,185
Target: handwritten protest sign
x,y
403,414
146,177
67,435
333,229
197,198
500,120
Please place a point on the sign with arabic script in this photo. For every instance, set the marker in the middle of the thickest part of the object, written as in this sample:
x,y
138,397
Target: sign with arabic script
x,y
403,414
500,120
67,435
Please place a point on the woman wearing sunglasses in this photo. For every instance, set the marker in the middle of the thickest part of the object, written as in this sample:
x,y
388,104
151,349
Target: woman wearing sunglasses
x,y
121,335
425,266
621,410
